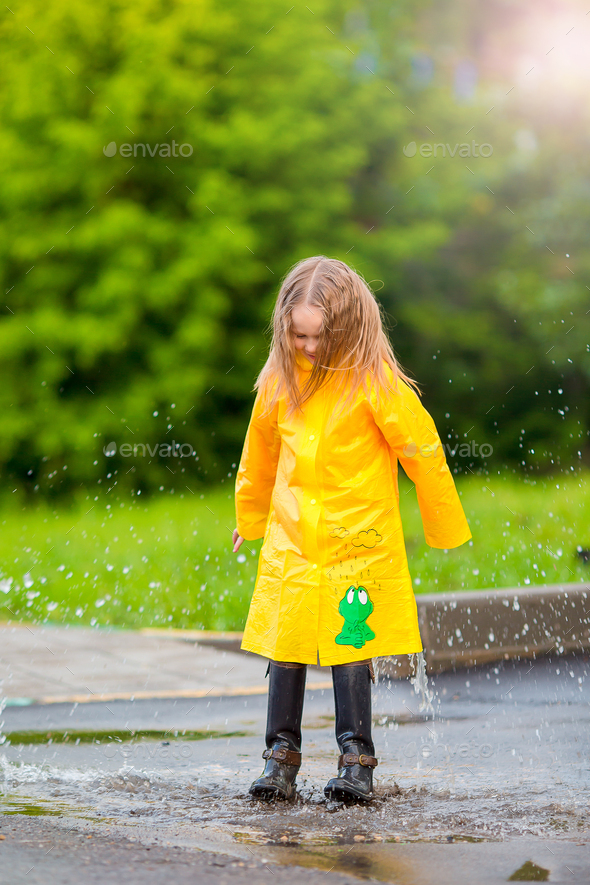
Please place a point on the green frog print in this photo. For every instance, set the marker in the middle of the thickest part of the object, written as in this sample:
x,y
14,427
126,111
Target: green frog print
x,y
355,607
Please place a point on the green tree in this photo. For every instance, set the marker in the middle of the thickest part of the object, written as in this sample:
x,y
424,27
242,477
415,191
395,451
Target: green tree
x,y
137,287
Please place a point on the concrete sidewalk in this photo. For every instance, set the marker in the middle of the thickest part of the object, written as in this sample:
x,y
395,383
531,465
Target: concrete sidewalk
x,y
52,664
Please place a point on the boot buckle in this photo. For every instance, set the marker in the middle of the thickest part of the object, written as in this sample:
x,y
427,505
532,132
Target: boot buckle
x,y
281,754
369,761
357,759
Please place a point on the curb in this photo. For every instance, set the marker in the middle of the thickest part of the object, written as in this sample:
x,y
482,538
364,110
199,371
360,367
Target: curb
x,y
476,627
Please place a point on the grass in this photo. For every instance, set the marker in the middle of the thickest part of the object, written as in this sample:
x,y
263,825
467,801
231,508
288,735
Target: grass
x,y
169,561
525,532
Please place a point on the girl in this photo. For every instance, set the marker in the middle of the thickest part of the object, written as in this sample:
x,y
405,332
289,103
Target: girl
x,y
333,414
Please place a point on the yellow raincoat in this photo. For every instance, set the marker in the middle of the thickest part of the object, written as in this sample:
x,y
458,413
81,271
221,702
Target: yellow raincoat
x,y
333,575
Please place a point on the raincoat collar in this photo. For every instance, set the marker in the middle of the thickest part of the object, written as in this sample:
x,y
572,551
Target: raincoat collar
x,y
302,361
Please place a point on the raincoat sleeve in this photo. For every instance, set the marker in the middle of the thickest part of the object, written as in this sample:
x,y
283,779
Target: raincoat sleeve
x,y
257,471
412,435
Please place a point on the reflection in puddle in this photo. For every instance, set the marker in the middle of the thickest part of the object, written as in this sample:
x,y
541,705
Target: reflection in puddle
x,y
25,738
529,872
15,806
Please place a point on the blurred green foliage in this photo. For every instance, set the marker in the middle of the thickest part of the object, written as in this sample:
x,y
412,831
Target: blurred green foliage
x,y
138,288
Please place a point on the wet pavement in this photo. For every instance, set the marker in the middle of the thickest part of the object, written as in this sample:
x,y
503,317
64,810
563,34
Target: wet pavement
x,y
35,851
497,776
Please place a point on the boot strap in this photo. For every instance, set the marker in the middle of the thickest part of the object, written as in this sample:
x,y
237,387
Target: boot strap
x,y
355,759
281,754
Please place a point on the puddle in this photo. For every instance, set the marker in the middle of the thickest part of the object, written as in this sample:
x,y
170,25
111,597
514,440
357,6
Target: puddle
x,y
529,872
208,807
25,738
309,840
353,862
18,806
170,785
401,719
375,862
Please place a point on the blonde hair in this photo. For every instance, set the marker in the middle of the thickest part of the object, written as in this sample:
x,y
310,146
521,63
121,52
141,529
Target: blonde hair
x,y
352,341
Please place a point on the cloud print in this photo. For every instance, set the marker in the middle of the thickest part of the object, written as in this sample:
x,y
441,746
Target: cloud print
x,y
340,532
367,539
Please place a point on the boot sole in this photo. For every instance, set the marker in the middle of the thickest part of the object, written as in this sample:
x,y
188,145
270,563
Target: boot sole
x,y
339,794
267,794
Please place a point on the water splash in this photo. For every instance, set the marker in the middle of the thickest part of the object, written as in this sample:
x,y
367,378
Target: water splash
x,y
3,702
382,668
420,682
18,773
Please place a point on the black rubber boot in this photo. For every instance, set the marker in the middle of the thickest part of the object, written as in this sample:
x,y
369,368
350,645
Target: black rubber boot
x,y
352,698
286,691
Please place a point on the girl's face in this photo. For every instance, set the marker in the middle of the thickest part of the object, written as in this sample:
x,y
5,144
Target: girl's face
x,y
307,322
